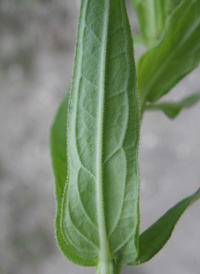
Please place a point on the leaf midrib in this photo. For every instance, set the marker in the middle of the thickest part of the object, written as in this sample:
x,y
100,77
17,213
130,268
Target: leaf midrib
x,y
104,243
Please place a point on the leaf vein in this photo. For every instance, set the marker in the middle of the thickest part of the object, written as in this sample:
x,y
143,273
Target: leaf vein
x,y
80,233
82,206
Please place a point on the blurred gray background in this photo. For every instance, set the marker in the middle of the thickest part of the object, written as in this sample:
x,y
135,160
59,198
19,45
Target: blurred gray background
x,y
37,40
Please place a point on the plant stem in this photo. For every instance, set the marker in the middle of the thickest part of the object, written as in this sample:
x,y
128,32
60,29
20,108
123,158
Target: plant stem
x,y
108,268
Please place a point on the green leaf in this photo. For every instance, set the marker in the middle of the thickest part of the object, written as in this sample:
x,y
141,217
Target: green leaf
x,y
177,54
172,109
155,237
98,214
152,16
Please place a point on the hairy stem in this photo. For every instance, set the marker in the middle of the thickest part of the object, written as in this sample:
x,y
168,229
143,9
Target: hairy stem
x,y
108,268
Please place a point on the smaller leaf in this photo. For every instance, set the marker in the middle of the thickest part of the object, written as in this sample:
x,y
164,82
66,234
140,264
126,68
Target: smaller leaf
x,y
151,19
172,109
155,237
176,55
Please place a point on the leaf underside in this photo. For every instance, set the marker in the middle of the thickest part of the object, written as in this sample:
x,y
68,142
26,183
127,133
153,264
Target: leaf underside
x,y
99,213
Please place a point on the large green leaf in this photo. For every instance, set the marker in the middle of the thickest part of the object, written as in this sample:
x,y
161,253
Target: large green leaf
x,y
177,54
98,217
155,237
172,109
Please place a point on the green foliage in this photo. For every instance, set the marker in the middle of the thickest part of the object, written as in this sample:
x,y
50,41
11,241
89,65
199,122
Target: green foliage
x,y
172,109
177,54
155,237
152,18
95,135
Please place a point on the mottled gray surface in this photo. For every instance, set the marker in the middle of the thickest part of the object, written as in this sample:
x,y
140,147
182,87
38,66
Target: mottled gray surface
x,y
37,41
